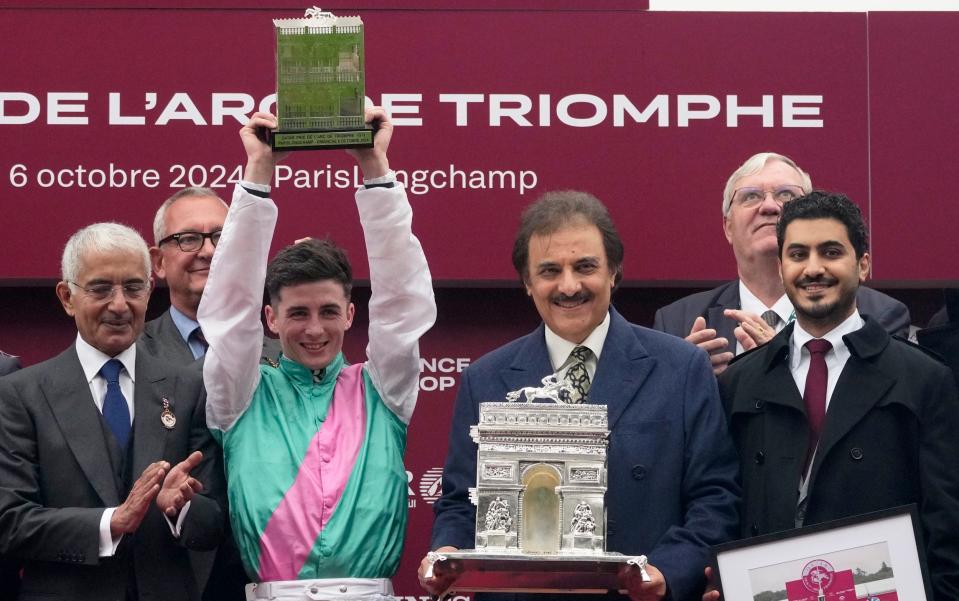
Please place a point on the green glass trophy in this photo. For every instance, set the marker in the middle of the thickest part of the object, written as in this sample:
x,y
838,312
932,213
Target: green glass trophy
x,y
320,84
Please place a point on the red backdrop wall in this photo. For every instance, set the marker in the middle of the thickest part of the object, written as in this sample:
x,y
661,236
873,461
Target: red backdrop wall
x,y
869,98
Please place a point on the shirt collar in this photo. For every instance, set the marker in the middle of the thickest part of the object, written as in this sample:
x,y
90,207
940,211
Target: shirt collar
x,y
751,304
184,325
560,348
92,359
800,336
305,377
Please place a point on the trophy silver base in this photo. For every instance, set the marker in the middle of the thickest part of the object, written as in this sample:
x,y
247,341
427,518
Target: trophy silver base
x,y
321,139
585,573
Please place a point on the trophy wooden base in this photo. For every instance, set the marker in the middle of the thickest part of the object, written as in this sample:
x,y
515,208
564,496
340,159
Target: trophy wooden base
x,y
584,573
321,139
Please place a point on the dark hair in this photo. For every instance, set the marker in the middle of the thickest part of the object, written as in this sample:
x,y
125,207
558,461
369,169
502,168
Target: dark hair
x,y
306,262
826,205
556,209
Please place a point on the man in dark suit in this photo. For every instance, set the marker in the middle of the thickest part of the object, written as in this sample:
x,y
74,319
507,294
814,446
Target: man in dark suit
x,y
942,333
186,229
833,417
9,569
672,470
738,315
107,470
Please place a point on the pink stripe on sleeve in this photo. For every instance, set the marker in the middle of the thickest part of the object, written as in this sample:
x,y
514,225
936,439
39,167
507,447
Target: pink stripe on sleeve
x,y
298,520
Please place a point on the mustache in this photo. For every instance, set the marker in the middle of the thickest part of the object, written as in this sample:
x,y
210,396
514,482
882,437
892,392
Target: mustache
x,y
805,281
579,297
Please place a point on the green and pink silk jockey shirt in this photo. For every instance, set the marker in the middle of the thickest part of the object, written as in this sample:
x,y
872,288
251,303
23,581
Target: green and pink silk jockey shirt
x,y
314,461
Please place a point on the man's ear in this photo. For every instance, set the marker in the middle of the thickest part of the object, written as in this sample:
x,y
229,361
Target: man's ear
x,y
350,313
270,318
726,229
66,297
865,264
156,260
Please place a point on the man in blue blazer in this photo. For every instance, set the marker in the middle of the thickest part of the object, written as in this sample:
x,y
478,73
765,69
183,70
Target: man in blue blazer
x,y
739,315
672,469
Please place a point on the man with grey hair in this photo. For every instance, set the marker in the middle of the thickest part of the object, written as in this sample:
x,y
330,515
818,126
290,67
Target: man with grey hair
x,y
186,229
107,470
748,311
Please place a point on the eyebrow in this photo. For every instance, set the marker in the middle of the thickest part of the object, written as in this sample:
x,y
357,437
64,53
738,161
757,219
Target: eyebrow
x,y
824,244
305,308
97,281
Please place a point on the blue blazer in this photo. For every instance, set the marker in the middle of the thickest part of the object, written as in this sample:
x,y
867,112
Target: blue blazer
x,y
673,487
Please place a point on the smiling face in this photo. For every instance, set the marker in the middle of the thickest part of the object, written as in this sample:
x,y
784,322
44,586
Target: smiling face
x,y
186,272
751,230
569,279
311,320
821,273
111,325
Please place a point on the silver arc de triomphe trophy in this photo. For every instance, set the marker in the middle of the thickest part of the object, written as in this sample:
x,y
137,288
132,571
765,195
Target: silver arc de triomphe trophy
x,y
320,83
540,499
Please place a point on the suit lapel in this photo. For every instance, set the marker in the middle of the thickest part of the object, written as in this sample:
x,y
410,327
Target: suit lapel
x,y
149,435
531,364
68,395
623,367
172,342
778,386
724,326
860,387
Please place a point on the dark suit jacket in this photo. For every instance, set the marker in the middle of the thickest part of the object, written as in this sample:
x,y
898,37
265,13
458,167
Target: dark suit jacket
x,y
943,340
56,478
8,364
220,574
672,469
9,569
161,338
677,318
889,439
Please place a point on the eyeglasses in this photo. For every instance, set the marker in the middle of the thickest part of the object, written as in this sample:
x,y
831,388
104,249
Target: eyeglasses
x,y
191,242
102,292
750,197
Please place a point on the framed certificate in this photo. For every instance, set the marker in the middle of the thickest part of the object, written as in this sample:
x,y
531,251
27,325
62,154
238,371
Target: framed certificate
x,y
873,557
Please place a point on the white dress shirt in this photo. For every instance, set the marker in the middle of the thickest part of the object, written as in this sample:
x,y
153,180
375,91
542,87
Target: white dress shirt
x,y
836,357
560,348
91,361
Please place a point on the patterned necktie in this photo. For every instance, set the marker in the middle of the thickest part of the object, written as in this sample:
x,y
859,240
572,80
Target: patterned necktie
x,y
814,395
771,318
116,412
576,376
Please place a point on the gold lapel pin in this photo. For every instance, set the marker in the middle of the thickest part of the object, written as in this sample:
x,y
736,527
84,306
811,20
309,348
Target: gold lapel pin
x,y
166,416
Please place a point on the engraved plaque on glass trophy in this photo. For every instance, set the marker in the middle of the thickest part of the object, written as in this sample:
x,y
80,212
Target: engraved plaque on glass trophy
x,y
320,83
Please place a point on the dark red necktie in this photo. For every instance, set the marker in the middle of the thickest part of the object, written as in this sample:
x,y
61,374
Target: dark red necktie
x,y
814,396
